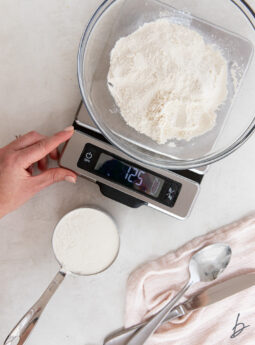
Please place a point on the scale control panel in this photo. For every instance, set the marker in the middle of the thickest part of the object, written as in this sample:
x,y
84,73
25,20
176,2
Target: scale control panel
x,y
127,181
134,177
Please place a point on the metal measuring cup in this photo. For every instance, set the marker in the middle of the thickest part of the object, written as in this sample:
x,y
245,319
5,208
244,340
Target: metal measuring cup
x,y
24,327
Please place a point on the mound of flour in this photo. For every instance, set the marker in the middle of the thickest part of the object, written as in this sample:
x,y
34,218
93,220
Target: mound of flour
x,y
167,82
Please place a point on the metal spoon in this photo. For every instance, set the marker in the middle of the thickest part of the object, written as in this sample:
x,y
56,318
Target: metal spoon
x,y
205,266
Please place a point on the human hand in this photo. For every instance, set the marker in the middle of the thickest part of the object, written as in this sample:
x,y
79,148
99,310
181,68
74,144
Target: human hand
x,y
17,183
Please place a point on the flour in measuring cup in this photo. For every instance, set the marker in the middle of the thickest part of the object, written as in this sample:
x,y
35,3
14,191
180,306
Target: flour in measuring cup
x,y
85,241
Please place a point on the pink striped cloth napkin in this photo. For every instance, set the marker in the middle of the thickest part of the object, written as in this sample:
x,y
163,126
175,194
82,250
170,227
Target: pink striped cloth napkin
x,y
230,321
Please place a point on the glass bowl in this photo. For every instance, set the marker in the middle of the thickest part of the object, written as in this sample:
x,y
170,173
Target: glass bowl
x,y
227,23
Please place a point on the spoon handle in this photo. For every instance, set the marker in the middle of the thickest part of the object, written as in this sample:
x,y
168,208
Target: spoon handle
x,y
122,336
24,327
144,333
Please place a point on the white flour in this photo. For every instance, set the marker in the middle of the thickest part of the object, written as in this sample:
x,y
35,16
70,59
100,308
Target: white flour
x,y
86,241
167,82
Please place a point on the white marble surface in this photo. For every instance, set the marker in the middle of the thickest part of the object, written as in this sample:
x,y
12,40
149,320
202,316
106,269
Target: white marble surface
x,y
38,90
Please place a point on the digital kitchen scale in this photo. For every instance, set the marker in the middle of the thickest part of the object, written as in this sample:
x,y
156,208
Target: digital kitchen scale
x,y
122,178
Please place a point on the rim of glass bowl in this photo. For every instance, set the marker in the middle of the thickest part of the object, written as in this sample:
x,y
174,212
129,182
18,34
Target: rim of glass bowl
x,y
168,163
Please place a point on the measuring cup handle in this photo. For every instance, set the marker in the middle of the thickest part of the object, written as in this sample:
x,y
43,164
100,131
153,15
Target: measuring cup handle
x,y
24,327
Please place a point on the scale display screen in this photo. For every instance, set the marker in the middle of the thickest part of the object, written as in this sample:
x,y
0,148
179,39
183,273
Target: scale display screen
x,y
134,177
128,175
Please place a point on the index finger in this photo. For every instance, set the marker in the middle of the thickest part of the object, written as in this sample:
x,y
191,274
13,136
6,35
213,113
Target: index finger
x,y
43,147
29,139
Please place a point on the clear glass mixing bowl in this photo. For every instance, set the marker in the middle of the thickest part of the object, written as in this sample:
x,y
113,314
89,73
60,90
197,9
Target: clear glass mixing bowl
x,y
229,24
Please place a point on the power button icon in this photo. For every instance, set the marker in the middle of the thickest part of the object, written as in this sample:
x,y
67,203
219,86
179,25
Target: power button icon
x,y
89,156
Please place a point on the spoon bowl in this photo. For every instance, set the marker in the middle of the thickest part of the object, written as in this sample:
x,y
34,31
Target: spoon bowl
x,y
208,263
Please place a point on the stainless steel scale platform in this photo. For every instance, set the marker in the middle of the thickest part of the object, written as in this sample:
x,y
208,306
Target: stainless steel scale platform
x,y
122,178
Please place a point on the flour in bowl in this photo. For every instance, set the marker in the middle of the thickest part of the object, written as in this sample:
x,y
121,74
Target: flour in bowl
x,y
167,82
85,241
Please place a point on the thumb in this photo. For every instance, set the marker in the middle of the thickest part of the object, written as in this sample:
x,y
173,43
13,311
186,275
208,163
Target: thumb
x,y
52,176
